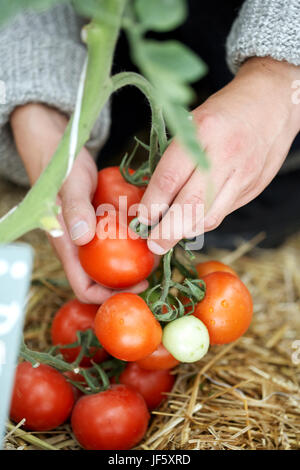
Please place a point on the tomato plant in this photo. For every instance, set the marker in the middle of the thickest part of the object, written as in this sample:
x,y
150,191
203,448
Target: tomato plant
x,y
167,67
115,419
111,185
42,396
160,359
226,309
151,384
72,317
186,338
208,267
126,327
116,261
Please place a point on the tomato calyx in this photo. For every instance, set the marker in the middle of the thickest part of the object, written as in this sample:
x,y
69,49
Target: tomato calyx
x,y
142,175
85,340
164,306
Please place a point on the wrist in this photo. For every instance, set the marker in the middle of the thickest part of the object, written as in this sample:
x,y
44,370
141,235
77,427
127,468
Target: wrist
x,y
37,130
277,80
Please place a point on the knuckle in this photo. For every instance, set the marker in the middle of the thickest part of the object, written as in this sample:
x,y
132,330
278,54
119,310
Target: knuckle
x,y
81,296
207,121
168,181
70,206
194,198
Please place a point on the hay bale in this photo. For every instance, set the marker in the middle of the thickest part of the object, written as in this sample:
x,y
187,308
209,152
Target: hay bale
x,y
241,396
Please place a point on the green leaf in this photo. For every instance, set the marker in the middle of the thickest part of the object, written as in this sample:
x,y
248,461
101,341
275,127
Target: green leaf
x,y
172,89
9,8
182,125
173,59
161,15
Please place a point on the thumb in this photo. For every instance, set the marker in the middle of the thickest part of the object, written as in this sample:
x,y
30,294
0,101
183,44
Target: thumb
x,y
76,195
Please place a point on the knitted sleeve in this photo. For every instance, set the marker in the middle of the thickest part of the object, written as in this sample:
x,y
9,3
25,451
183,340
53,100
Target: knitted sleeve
x,y
265,28
41,58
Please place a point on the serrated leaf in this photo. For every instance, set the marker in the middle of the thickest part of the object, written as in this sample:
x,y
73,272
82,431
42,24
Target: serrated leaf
x,y
161,15
10,8
174,60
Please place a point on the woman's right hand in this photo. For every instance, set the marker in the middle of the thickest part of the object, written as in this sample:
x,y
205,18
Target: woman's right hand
x,y
37,131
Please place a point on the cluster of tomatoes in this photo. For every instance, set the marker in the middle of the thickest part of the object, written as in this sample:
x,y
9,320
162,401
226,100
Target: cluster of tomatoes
x,y
126,328
116,418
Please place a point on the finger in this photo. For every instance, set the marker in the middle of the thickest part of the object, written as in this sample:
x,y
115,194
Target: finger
x,y
76,195
84,288
137,289
223,204
173,170
184,218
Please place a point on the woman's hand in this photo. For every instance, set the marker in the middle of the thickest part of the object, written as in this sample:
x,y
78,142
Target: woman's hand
x,y
246,129
37,131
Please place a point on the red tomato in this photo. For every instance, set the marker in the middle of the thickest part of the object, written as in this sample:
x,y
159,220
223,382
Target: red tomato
x,y
111,185
226,309
203,269
117,261
209,267
126,327
42,396
72,317
151,384
160,359
116,419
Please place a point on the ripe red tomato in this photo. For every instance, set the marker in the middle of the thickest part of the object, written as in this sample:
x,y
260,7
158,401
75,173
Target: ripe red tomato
x,y
151,384
126,327
226,309
209,267
116,419
117,261
72,317
160,359
42,396
111,185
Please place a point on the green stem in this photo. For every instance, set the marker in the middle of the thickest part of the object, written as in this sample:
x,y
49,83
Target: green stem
x,y
158,124
38,209
167,279
58,363
36,357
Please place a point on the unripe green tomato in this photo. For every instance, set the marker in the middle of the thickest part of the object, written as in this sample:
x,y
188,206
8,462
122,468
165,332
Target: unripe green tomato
x,y
186,338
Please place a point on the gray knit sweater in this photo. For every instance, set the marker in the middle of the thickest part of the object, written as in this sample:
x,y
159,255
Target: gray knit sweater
x,y
41,56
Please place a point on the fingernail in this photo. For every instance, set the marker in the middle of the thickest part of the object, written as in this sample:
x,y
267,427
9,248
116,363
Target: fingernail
x,y
155,248
210,222
79,229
